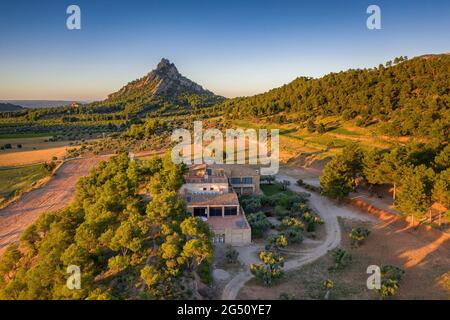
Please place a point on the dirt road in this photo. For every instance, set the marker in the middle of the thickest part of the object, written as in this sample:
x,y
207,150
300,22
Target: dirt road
x,y
56,194
328,212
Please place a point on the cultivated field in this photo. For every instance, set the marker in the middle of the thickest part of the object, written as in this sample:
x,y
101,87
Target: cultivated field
x,y
32,150
56,194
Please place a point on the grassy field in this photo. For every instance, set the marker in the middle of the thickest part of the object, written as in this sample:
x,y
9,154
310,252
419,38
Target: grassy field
x,y
15,180
299,146
26,135
271,189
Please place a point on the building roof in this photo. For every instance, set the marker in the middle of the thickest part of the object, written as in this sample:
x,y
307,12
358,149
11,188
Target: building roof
x,y
228,222
231,170
219,199
238,169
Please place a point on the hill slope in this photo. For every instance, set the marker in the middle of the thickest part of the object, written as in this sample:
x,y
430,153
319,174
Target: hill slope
x,y
408,98
162,85
4,107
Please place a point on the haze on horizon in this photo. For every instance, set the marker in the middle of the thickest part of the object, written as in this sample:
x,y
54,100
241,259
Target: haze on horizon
x,y
230,48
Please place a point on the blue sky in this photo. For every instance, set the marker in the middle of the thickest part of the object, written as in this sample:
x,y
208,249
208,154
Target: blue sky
x,y
230,47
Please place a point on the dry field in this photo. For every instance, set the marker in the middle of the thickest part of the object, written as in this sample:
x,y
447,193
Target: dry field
x,y
34,150
427,266
56,194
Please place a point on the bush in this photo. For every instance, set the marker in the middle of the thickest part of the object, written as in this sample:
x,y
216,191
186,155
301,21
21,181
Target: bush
x,y
50,166
277,242
231,255
204,271
341,259
251,204
259,224
311,221
292,222
390,280
286,296
357,236
281,212
294,235
270,268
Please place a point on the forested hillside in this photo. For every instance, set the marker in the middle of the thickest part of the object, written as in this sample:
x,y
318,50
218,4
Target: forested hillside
x,y
123,247
405,97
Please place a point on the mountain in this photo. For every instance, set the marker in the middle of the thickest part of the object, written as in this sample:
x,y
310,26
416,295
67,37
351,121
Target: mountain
x,y
4,107
403,98
164,83
33,104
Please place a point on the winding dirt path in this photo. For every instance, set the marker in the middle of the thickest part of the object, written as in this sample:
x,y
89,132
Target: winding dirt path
x,y
53,196
328,211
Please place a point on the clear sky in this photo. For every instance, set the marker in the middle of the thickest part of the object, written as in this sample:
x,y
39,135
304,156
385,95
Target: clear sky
x,y
230,47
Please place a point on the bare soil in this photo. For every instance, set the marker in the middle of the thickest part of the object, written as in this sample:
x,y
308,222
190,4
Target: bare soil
x,y
53,196
427,266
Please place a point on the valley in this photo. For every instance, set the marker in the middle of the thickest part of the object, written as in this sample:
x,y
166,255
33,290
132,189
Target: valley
x,y
363,152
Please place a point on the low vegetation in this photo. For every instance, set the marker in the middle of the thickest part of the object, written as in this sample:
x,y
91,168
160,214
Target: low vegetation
x,y
16,180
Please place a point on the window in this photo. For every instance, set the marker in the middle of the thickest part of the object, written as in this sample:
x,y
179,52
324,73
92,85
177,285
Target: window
x,y
231,211
247,180
209,172
200,212
215,212
235,180
204,189
211,189
219,238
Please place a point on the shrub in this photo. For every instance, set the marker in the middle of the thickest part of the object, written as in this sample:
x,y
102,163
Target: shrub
x,y
357,236
281,212
270,268
292,223
231,255
311,221
251,204
390,280
204,271
286,296
277,242
341,259
294,235
259,224
50,166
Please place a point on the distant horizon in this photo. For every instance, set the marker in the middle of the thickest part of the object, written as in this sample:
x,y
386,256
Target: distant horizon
x,y
256,93
231,48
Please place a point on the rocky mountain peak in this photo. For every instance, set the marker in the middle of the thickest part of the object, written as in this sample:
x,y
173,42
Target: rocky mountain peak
x,y
164,81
